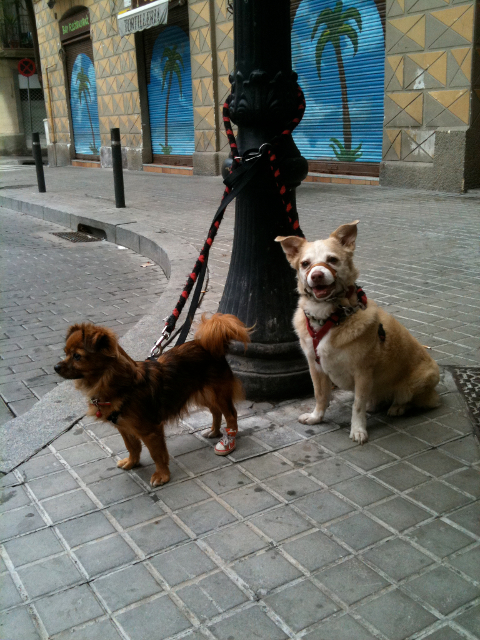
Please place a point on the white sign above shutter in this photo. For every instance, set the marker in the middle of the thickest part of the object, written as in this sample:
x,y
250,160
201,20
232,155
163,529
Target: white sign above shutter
x,y
150,15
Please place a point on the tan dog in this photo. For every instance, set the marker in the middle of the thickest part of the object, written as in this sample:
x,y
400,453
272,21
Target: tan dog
x,y
360,348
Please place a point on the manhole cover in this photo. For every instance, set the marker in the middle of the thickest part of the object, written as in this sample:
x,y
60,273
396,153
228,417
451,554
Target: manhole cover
x,y
76,236
468,382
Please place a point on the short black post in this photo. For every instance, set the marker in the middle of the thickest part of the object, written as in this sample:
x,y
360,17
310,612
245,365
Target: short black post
x,y
37,156
117,168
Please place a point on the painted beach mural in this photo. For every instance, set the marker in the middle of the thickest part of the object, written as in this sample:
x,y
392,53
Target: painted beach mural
x,y
338,52
170,94
84,107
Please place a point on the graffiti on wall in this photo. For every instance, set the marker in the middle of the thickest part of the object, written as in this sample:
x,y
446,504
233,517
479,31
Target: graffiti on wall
x,y
84,106
338,52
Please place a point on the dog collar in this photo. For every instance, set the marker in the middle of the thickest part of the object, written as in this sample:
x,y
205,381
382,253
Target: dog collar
x,y
335,318
96,403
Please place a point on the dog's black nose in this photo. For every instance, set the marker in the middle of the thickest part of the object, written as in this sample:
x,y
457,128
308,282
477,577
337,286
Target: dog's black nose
x,y
57,368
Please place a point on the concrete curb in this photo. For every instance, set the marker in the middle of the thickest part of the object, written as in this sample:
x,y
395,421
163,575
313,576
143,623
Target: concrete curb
x,y
57,411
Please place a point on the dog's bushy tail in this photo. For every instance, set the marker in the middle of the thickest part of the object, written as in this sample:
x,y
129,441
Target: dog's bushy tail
x,y
215,333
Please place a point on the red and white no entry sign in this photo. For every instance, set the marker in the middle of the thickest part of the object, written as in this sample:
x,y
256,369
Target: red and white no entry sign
x,y
26,67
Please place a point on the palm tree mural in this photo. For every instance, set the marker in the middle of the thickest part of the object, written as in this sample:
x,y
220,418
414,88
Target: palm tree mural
x,y
172,59
84,90
337,24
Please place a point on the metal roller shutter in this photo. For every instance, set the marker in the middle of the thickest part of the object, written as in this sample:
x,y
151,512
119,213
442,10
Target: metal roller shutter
x,y
169,88
338,49
83,98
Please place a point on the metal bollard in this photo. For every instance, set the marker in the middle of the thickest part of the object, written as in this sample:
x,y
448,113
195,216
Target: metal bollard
x,y
117,168
37,156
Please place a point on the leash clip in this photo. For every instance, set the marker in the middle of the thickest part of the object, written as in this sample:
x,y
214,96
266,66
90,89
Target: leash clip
x,y
156,350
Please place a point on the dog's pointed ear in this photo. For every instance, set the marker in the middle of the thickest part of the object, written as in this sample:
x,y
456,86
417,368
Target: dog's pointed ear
x,y
100,339
71,330
291,245
346,234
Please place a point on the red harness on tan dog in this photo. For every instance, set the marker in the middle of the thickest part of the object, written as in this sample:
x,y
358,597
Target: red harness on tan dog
x,y
335,318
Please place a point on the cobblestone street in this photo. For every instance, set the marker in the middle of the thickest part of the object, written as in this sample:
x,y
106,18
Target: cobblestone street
x,y
299,533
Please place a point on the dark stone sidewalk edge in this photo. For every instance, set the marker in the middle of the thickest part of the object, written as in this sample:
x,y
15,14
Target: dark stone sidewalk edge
x,y
57,411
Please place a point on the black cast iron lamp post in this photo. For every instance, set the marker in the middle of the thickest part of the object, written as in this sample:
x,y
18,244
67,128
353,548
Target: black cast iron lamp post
x,y
260,287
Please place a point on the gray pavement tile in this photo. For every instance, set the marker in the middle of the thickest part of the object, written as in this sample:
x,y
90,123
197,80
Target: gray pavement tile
x,y
210,515
182,564
323,506
250,499
332,471
157,536
12,391
211,596
470,620
468,562
362,490
136,510
85,528
466,449
33,546
265,466
115,489
437,496
20,407
397,558
68,505
226,479
401,445
12,498
399,513
68,609
72,438
124,587
336,441
182,495
440,538
247,447
367,457
49,575
52,485
445,633
184,443
115,443
103,629
266,571
249,624
40,466
9,595
277,437
433,433
98,470
303,453
468,518
396,615
401,476
100,556
436,463
351,580
315,550
202,460
359,531
279,524
292,485
23,520
83,453
3,566
443,589
235,542
301,605
457,420
344,628
158,619
17,623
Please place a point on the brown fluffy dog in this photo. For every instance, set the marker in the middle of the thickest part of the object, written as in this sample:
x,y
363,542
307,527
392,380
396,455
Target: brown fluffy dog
x,y
140,397
365,350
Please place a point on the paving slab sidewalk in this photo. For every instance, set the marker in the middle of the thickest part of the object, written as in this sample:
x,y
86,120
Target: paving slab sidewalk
x,y
300,533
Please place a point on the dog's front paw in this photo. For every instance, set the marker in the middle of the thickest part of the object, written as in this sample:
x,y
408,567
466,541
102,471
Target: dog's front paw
x,y
311,418
396,410
210,433
159,478
127,463
359,435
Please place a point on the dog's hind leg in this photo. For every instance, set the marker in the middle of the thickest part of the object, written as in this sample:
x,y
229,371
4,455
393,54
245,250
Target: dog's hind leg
x,y
155,443
214,431
428,399
227,444
322,387
134,448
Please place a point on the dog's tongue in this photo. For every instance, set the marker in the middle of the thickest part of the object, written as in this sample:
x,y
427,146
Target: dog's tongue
x,y
321,292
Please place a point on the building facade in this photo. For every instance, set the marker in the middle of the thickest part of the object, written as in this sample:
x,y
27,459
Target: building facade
x,y
392,88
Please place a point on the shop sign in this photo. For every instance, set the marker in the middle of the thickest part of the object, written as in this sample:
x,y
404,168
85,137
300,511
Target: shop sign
x,y
145,17
74,25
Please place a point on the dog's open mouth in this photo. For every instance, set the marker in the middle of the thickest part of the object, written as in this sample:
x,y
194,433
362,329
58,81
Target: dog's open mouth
x,y
323,292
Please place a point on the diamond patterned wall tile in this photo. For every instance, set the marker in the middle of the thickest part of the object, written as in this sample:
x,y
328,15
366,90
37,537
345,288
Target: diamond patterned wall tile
x,y
426,70
405,34
459,67
395,8
404,108
450,27
391,144
418,145
447,108
425,5
199,14
394,73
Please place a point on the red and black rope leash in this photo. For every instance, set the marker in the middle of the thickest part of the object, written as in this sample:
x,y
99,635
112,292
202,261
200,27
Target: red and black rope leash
x,y
240,174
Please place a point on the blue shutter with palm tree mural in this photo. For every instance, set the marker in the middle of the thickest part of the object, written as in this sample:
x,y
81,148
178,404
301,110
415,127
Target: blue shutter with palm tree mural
x,y
84,105
338,51
170,95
